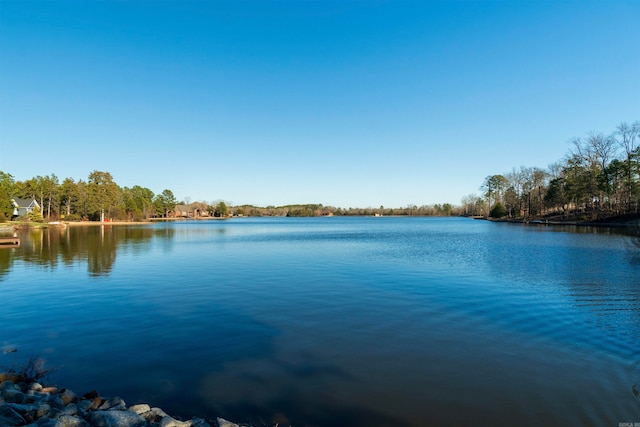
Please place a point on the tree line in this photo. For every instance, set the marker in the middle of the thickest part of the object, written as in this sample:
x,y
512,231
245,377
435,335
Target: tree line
x,y
598,178
100,197
308,210
97,198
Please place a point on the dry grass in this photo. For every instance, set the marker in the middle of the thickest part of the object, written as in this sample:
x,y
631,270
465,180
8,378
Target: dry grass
x,y
31,371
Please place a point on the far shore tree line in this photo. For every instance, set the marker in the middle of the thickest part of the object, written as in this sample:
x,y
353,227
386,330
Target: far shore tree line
x,y
600,177
100,197
97,198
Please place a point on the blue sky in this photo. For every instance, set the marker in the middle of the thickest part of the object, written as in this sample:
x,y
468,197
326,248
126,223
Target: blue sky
x,y
344,103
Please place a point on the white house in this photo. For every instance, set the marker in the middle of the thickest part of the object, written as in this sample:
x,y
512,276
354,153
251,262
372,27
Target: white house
x,y
23,206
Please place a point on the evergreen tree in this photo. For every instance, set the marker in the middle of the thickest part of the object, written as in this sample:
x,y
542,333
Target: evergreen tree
x,y
7,185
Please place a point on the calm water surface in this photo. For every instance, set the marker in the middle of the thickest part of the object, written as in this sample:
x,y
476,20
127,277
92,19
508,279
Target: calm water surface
x,y
335,321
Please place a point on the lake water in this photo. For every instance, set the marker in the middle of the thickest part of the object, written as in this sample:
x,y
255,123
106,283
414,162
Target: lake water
x,y
335,321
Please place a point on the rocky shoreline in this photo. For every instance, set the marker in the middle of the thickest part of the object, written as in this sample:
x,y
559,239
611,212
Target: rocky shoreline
x,y
26,403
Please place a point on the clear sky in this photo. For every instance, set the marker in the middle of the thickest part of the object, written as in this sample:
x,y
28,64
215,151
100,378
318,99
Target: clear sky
x,y
344,103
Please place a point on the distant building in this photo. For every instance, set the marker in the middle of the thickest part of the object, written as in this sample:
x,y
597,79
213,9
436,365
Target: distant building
x,y
182,211
193,210
23,206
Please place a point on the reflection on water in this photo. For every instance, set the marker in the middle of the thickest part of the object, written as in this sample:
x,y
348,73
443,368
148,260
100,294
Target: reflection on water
x,y
634,232
337,322
95,245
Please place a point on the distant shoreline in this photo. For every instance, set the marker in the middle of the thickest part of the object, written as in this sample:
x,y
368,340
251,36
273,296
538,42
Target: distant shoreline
x,y
613,222
201,218
606,223
91,223
11,226
63,224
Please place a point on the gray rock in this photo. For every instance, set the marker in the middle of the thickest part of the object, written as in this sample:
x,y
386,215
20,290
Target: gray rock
x,y
67,396
140,408
42,410
61,422
34,396
172,422
152,417
69,421
13,396
114,403
7,385
224,423
47,422
84,405
10,417
117,419
158,412
55,402
33,405
34,411
71,409
55,413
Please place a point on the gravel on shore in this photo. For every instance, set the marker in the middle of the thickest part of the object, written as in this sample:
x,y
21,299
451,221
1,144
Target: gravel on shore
x,y
29,403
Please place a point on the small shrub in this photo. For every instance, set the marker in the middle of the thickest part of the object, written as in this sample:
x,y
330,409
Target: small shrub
x,y
498,211
32,371
36,215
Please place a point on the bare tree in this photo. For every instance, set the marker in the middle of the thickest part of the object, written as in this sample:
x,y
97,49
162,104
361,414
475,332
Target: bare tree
x,y
539,178
594,154
555,170
628,138
604,148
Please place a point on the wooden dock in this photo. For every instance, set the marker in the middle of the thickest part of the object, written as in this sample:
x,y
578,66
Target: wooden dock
x,y
9,242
